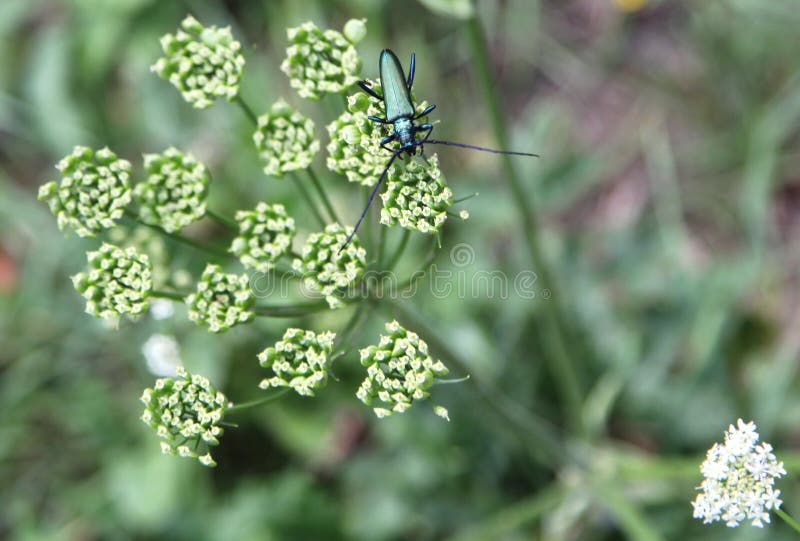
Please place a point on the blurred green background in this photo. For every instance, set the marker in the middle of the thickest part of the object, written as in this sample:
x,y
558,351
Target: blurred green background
x,y
668,199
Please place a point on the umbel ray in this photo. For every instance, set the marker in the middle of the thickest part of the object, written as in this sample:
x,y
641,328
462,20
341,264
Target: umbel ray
x,y
401,114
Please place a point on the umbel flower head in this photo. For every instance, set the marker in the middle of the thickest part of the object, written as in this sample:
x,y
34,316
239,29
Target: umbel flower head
x,y
738,479
174,193
204,63
300,360
221,300
265,234
399,372
319,61
326,268
416,197
93,192
354,149
185,412
285,140
117,283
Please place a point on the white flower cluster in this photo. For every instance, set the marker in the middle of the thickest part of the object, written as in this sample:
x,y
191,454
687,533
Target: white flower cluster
x,y
326,268
265,234
399,372
416,197
118,282
174,193
739,478
93,192
203,63
300,360
322,61
221,300
285,140
185,412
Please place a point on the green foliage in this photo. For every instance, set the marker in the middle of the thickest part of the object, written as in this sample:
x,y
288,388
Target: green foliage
x,y
664,212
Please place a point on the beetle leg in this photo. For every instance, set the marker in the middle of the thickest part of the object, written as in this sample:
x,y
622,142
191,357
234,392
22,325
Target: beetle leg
x,y
426,128
366,87
427,110
378,119
411,72
386,140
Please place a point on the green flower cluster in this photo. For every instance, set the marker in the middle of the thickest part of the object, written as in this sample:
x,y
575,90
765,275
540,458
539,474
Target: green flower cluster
x,y
185,412
93,192
265,234
174,194
416,197
326,268
285,140
204,63
118,282
221,300
354,149
300,360
318,62
399,372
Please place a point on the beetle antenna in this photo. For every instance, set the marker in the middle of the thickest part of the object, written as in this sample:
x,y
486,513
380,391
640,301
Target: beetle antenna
x,y
473,147
371,197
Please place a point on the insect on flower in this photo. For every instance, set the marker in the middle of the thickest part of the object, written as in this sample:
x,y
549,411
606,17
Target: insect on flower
x,y
401,114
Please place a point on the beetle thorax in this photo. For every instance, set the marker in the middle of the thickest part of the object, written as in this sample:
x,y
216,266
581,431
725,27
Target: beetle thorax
x,y
404,130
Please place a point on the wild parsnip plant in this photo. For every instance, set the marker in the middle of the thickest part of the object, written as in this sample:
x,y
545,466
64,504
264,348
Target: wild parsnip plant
x,y
98,189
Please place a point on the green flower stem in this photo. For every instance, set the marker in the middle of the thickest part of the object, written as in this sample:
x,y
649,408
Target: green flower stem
x,y
180,238
167,295
398,253
309,200
291,310
254,403
322,195
539,437
225,222
560,361
787,518
382,245
246,109
352,324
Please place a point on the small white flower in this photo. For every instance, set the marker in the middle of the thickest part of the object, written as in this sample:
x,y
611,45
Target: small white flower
x,y
162,354
161,309
739,478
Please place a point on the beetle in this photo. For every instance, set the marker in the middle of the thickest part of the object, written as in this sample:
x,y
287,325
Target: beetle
x,y
401,114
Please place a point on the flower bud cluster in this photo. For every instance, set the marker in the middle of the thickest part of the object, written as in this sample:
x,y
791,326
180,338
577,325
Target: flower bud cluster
x,y
93,192
203,63
174,193
416,197
300,360
265,234
399,372
285,140
185,412
221,300
320,61
326,267
118,282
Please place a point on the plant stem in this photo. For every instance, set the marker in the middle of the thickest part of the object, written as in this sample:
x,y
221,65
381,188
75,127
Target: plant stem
x,y
788,519
225,222
167,295
291,310
180,238
309,200
561,363
539,437
322,195
398,253
257,402
246,109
